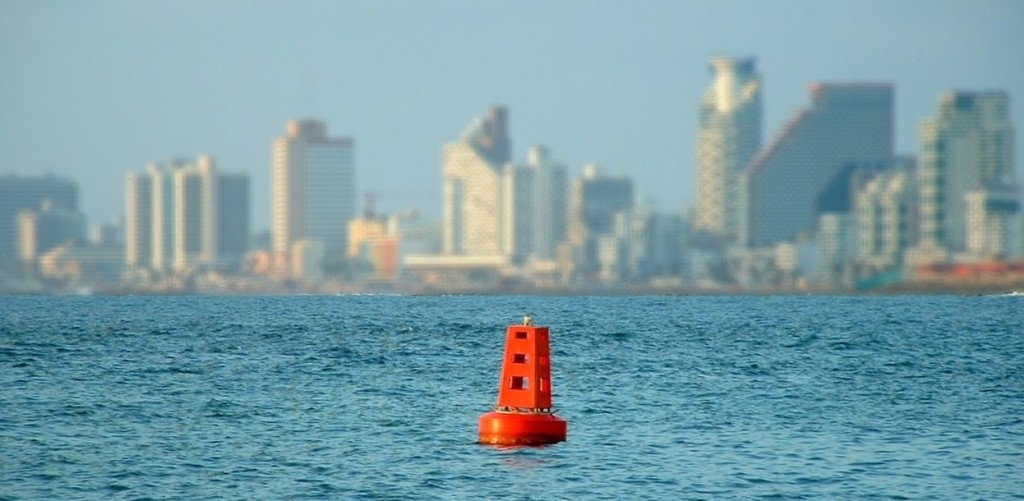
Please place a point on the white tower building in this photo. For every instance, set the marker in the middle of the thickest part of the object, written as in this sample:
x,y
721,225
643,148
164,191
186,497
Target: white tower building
x,y
176,219
162,191
728,137
138,221
195,215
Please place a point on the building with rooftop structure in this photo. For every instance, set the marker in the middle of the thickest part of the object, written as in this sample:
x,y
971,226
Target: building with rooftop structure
x,y
728,137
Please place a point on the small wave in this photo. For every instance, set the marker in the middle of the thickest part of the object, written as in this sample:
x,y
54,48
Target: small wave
x,y
804,341
1001,294
173,369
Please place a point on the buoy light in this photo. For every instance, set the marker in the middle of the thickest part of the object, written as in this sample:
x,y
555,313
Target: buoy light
x,y
524,414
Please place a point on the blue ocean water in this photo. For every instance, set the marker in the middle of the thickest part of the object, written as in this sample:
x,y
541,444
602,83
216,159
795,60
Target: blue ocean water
x,y
377,397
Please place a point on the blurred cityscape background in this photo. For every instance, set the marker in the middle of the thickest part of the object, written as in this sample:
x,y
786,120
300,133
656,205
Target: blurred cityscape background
x,y
826,200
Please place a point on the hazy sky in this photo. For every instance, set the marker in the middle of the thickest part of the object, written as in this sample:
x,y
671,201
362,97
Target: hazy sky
x,y
94,89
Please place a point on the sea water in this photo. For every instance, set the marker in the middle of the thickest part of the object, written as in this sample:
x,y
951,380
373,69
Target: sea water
x,y
377,397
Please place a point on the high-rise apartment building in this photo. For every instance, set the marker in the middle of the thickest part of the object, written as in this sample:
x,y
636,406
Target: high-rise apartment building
x,y
472,171
184,215
535,207
837,248
652,244
886,215
551,203
728,137
162,217
138,249
195,214
966,175
989,214
171,216
313,191
809,168
20,193
518,223
594,201
233,218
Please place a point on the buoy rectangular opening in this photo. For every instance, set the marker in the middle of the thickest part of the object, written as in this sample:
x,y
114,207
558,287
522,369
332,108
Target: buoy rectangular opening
x,y
519,383
519,358
521,334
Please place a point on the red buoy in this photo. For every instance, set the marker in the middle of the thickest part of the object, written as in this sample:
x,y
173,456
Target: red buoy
x,y
523,415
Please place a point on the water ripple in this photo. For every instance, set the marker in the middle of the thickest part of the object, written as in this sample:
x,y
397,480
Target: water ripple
x,y
378,397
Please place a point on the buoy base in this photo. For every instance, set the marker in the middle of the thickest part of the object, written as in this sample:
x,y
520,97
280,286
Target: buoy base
x,y
515,428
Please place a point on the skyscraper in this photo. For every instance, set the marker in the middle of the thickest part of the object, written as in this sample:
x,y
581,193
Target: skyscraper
x,y
162,217
728,137
535,205
967,148
184,215
313,190
550,203
472,169
138,221
595,199
810,167
195,214
19,193
518,222
233,215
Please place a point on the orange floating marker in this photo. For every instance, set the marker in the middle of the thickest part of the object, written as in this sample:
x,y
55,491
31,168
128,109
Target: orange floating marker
x,y
523,415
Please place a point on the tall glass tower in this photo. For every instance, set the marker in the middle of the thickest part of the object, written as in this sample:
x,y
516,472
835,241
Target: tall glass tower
x,y
728,137
811,165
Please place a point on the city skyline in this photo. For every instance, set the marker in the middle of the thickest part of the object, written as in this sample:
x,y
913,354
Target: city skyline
x,y
825,171
120,84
